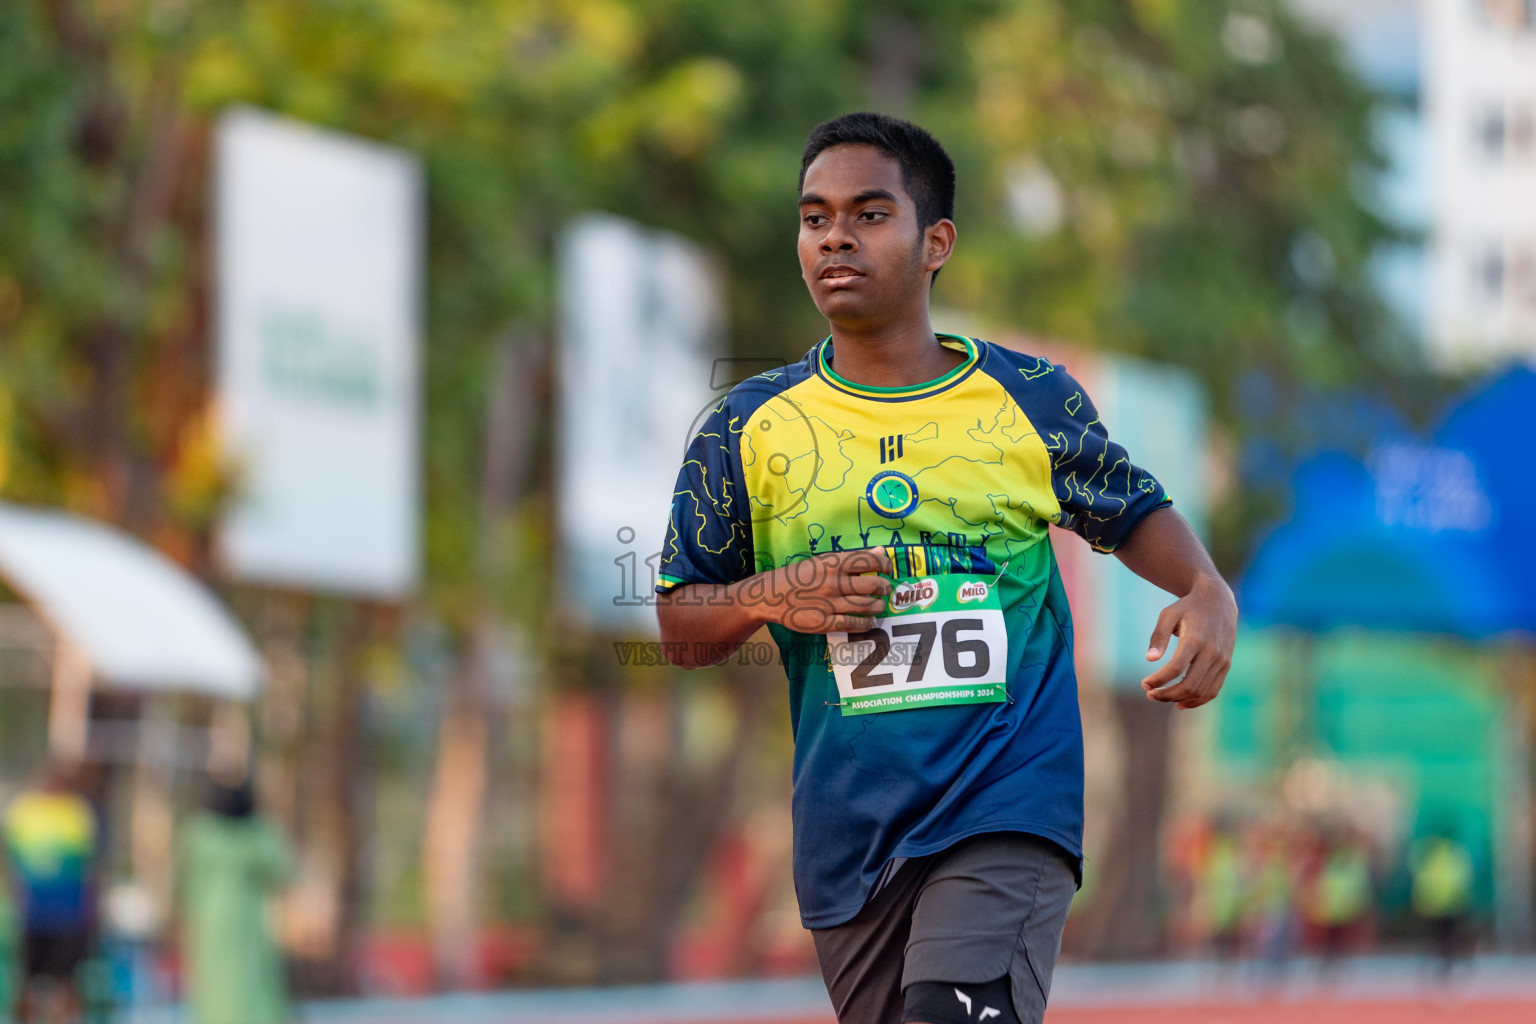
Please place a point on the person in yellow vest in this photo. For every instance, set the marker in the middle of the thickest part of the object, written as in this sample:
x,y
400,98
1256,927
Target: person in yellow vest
x,y
1342,894
1225,892
52,844
1272,909
1442,893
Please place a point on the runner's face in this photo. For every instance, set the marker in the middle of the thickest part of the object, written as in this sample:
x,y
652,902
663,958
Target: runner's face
x,y
861,253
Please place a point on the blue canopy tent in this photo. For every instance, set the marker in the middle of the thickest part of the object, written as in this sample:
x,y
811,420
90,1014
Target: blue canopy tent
x,y
1370,549
1496,428
1424,538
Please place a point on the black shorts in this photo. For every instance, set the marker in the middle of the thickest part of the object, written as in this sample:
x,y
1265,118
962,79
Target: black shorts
x,y
55,954
990,906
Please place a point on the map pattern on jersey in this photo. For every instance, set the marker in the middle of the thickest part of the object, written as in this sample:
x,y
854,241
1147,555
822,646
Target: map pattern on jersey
x,y
963,474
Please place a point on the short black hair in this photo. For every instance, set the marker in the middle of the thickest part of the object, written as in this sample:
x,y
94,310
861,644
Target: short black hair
x,y
927,172
232,800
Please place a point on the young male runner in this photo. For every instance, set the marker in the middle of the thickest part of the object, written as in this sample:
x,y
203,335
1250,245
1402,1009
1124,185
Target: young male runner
x,y
882,506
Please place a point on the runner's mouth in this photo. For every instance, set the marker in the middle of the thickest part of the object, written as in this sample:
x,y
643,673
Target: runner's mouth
x,y
840,275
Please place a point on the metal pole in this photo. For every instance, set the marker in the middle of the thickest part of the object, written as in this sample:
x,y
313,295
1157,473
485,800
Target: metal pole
x,y
1513,854
69,706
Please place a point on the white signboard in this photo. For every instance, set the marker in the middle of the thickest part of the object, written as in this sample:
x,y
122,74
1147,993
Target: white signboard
x,y
639,321
319,262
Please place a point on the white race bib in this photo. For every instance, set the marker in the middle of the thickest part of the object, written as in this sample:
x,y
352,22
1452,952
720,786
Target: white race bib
x,y
941,641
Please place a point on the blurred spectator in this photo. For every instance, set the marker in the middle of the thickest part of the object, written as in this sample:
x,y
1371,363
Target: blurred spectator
x,y
1186,844
1340,897
1223,885
1272,919
1442,893
231,861
51,838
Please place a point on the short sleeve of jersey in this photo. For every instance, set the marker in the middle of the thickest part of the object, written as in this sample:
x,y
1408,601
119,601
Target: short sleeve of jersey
x,y
1102,493
708,538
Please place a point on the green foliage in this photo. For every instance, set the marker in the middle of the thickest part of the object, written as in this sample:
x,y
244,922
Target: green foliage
x,y
1168,179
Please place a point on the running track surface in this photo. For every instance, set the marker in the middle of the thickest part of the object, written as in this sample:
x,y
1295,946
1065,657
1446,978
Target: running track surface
x,y
1399,990
1286,1013
1501,1012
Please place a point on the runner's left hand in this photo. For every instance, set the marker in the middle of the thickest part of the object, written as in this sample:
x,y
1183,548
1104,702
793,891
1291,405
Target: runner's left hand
x,y
1205,621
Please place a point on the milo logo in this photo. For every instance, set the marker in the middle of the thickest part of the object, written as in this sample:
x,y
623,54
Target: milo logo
x,y
914,594
976,590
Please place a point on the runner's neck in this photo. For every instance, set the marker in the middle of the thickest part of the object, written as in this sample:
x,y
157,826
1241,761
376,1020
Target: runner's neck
x,y
893,358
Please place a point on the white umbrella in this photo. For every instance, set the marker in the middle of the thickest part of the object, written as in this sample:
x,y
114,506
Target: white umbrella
x,y
136,618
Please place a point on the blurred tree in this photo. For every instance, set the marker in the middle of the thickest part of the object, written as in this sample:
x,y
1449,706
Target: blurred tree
x,y
1187,184
101,362
1173,180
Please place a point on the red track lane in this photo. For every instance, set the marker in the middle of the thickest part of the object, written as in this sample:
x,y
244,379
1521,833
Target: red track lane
x,y
1476,1012
1480,1012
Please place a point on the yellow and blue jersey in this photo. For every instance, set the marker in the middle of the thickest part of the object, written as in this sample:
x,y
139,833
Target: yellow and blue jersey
x,y
51,839
959,475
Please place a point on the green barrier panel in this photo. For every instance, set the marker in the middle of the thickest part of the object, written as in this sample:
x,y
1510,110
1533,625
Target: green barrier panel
x,y
1420,711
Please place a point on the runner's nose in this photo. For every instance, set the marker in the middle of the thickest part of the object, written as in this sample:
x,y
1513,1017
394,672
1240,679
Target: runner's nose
x,y
838,239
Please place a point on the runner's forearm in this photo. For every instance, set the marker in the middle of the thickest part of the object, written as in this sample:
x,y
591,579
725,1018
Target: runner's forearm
x,y
1165,552
700,620
704,623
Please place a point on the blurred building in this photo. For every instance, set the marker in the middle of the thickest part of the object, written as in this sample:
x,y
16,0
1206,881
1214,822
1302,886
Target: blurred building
x,y
1480,101
1459,130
